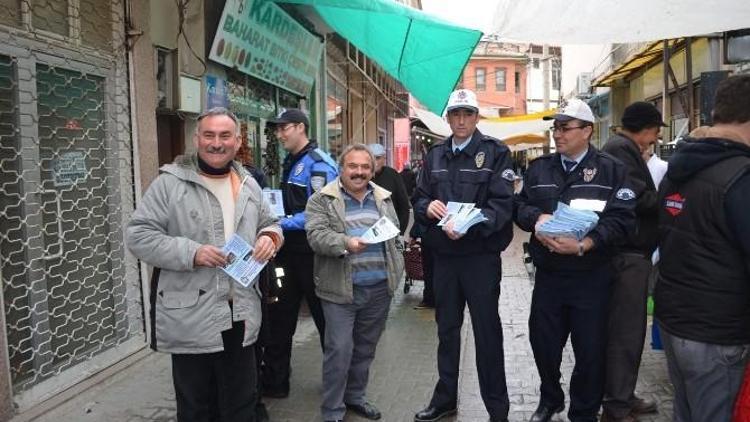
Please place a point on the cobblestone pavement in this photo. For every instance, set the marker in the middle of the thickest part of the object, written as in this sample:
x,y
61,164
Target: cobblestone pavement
x,y
401,379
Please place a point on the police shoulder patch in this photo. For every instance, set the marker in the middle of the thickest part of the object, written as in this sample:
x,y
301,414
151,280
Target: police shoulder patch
x,y
317,182
509,175
625,194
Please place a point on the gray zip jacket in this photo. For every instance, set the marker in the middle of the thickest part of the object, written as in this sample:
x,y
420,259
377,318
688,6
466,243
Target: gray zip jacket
x,y
176,216
326,232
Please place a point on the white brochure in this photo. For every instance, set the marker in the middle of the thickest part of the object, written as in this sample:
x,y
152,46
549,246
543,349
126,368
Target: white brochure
x,y
241,265
381,231
275,200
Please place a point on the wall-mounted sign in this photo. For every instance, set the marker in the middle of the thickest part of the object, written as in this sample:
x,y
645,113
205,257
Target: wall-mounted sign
x,y
216,92
258,38
69,168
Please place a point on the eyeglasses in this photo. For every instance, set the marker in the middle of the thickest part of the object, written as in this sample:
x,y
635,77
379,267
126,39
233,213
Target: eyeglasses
x,y
564,129
285,127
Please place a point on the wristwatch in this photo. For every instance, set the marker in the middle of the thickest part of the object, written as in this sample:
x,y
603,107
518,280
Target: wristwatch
x,y
580,248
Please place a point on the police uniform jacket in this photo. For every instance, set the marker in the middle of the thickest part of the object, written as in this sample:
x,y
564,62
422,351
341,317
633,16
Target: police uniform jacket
x,y
598,176
481,174
303,174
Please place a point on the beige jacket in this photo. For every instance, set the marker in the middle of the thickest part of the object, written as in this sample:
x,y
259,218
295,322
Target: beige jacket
x,y
326,232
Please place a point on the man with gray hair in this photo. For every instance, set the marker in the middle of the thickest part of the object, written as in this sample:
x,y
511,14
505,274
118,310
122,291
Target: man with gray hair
x,y
199,314
354,280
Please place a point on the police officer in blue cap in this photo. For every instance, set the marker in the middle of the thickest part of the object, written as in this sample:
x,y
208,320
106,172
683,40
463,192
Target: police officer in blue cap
x,y
473,168
306,169
573,277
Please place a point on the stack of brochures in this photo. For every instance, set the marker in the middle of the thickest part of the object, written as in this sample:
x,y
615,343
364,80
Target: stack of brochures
x,y
463,215
569,222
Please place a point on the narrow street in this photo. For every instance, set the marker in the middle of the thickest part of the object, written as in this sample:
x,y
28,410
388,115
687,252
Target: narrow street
x,y
402,377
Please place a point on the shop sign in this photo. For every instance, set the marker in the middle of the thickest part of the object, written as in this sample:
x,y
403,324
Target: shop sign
x,y
216,92
258,38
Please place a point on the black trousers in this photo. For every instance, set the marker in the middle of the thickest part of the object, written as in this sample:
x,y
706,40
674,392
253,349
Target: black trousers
x,y
575,304
627,331
428,269
282,318
221,386
472,280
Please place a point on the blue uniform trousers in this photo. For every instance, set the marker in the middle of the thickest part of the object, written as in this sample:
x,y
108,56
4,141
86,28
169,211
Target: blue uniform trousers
x,y
571,303
473,280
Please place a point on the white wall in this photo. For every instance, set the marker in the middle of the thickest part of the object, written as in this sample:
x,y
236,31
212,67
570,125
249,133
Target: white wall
x,y
578,58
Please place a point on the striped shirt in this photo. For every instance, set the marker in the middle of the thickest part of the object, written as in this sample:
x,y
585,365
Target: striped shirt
x,y
368,266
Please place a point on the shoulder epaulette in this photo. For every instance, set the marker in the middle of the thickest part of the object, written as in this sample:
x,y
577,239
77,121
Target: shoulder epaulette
x,y
543,157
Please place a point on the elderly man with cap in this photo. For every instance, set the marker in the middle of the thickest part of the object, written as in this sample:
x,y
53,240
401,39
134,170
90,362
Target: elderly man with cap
x,y
641,123
573,277
467,167
306,170
387,178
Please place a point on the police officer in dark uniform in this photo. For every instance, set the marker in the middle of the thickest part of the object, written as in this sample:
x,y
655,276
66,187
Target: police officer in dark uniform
x,y
572,286
306,169
472,168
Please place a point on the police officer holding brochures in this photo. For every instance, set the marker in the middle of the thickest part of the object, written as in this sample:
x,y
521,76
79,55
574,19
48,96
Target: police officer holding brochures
x,y
467,167
573,276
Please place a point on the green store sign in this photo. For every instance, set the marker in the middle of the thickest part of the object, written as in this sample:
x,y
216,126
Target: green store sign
x,y
258,38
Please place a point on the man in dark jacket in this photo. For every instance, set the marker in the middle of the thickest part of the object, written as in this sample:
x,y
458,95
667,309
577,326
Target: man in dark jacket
x,y
641,123
702,296
573,277
307,169
387,178
409,178
473,168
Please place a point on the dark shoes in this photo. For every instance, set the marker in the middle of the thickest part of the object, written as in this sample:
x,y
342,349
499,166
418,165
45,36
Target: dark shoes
x,y
545,413
275,393
641,406
424,305
606,418
366,410
432,414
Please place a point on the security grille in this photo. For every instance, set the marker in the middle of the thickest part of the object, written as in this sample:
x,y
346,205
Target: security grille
x,y
70,292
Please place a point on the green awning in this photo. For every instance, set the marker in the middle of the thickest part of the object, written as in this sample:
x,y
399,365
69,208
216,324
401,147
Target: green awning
x,y
427,55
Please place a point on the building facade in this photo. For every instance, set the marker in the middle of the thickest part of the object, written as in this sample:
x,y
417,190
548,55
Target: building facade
x,y
94,97
497,72
678,76
543,70
71,294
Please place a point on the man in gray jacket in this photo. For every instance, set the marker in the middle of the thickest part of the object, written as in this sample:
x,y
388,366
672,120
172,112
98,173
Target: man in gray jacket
x,y
202,317
354,280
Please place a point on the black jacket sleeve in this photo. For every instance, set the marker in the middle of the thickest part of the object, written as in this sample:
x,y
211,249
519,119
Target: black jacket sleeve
x,y
423,194
525,214
619,214
639,179
400,201
499,206
736,205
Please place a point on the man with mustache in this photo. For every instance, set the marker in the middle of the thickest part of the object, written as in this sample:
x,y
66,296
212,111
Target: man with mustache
x,y
467,167
572,284
355,280
306,169
207,321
